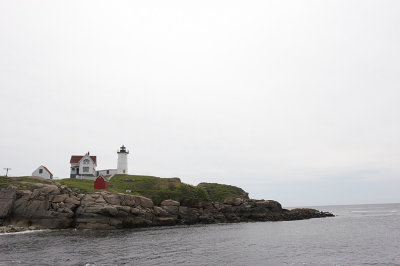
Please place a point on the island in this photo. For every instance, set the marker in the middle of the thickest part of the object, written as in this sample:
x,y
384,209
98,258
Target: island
x,y
131,201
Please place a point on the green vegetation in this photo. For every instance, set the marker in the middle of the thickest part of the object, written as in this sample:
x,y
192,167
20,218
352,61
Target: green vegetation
x,y
23,182
82,184
155,188
222,193
158,189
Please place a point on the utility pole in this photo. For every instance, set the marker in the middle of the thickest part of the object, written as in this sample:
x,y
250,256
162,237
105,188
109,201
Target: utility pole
x,y
7,171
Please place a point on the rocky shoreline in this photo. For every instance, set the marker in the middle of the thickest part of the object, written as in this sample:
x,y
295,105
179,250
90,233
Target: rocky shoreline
x,y
13,229
50,206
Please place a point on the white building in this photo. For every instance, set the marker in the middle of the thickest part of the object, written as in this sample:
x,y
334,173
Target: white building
x,y
42,171
83,167
122,166
106,172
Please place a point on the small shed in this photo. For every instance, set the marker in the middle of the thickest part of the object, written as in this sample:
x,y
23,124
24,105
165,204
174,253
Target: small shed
x,y
42,171
101,182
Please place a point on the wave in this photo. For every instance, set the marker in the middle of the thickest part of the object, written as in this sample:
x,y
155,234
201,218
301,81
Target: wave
x,y
25,232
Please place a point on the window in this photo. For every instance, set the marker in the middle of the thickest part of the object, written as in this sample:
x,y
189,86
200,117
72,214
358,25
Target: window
x,y
85,169
86,161
108,172
40,171
124,171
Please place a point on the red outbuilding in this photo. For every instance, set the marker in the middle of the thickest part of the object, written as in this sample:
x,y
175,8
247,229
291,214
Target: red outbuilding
x,y
101,182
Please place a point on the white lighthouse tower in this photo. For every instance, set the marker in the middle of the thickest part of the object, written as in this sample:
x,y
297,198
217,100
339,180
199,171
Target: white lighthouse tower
x,y
122,167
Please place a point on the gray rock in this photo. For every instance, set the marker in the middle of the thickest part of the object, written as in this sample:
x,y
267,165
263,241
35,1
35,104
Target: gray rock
x,y
127,200
237,201
31,208
100,200
166,221
135,211
60,197
126,209
109,210
88,200
7,199
160,211
113,199
97,226
73,200
93,208
12,229
144,202
188,215
35,185
269,204
171,209
51,206
51,189
169,202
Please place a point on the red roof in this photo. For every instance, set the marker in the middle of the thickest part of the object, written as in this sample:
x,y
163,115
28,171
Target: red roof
x,y
47,170
104,178
77,158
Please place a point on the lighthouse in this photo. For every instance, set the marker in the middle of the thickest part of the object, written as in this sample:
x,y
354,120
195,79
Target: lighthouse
x,y
122,167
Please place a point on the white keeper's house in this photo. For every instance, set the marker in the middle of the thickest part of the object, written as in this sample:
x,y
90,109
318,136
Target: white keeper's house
x,y
84,166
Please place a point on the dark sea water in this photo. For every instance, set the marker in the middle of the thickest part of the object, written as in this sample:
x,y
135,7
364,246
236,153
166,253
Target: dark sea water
x,y
358,235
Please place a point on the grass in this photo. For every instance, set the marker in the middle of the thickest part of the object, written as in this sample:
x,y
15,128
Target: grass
x,y
155,188
82,184
23,182
222,193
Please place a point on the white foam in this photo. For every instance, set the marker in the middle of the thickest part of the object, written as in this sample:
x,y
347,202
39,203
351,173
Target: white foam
x,y
24,232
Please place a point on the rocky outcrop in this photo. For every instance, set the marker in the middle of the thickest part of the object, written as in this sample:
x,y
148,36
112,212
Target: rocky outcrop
x,y
57,206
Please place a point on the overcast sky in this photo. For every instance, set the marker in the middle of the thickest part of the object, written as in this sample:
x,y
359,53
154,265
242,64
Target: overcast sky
x,y
297,101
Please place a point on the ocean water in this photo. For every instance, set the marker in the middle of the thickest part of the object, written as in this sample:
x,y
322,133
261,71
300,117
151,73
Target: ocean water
x,y
358,235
